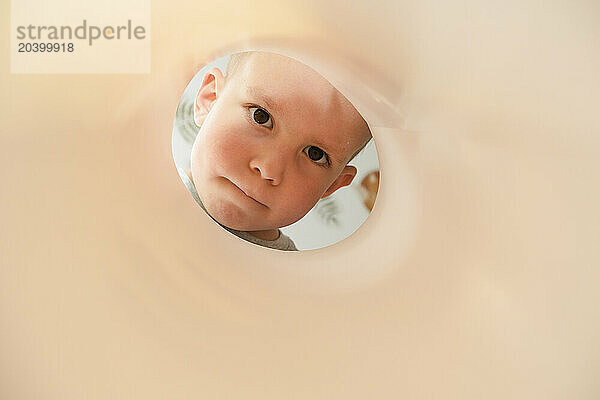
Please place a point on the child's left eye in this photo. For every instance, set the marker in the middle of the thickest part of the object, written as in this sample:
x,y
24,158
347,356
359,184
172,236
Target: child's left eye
x,y
261,116
317,155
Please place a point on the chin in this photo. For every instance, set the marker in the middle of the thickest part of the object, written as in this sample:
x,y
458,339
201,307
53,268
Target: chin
x,y
228,214
232,216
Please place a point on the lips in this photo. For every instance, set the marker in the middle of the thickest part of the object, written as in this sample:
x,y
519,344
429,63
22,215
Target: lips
x,y
247,193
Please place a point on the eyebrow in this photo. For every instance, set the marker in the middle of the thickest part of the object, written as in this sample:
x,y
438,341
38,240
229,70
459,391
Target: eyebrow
x,y
259,95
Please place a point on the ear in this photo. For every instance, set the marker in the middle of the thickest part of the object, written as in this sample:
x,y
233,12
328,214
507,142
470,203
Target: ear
x,y
207,94
344,179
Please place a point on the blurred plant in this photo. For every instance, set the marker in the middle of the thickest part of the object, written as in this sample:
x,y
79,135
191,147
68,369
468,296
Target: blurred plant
x,y
328,210
184,117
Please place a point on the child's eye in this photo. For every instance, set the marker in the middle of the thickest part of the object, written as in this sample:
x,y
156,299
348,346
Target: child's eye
x,y
261,117
317,155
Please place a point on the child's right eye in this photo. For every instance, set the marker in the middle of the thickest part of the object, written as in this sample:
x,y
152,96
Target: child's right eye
x,y
261,117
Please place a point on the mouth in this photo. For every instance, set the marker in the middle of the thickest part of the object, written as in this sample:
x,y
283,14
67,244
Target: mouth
x,y
247,194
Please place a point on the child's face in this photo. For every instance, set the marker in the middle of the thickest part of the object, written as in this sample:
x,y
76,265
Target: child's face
x,y
273,140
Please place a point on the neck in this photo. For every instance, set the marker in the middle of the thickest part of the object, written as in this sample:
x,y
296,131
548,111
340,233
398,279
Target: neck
x,y
270,234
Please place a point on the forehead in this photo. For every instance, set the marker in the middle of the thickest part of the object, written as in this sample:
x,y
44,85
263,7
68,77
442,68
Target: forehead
x,y
302,101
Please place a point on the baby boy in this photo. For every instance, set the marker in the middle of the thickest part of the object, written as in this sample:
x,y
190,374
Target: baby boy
x,y
275,137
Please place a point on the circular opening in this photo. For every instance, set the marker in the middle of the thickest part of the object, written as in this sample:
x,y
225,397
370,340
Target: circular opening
x,y
274,153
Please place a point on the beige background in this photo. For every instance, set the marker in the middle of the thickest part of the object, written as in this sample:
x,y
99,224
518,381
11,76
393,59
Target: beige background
x,y
475,276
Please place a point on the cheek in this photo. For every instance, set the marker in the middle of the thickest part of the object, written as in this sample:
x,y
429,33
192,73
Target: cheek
x,y
301,197
223,147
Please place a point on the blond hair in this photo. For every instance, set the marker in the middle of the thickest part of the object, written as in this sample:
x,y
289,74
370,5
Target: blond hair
x,y
236,60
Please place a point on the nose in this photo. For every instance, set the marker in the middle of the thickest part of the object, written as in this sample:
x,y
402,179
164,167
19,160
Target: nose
x,y
270,166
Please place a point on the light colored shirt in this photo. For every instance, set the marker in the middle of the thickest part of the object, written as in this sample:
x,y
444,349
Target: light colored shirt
x,y
282,242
